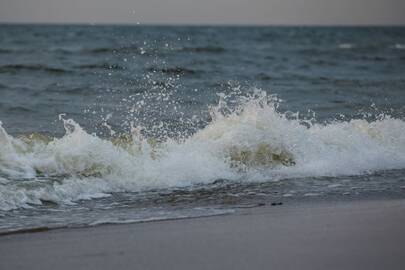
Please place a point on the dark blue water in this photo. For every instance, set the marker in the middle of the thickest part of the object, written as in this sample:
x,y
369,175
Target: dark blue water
x,y
174,122
47,70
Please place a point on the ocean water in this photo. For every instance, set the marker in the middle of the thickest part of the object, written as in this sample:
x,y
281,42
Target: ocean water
x,y
116,124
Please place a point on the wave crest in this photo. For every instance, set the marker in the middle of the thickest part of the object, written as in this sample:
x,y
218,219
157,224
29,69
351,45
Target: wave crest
x,y
251,141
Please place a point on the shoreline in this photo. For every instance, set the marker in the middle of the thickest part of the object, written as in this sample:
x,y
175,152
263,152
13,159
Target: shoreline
x,y
223,210
354,234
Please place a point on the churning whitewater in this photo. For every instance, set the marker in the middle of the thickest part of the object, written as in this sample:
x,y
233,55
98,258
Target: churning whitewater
x,y
253,141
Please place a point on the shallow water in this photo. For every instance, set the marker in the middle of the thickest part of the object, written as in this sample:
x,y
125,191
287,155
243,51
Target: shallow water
x,y
131,123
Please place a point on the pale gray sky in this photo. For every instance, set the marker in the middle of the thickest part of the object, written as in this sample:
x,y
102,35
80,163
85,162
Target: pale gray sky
x,y
340,12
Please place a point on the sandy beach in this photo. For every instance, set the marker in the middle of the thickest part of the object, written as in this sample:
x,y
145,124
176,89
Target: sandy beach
x,y
326,235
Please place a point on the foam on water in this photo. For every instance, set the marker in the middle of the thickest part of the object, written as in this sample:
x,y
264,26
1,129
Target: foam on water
x,y
346,46
253,141
399,46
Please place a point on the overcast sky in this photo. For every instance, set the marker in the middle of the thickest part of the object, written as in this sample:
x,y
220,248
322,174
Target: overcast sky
x,y
340,12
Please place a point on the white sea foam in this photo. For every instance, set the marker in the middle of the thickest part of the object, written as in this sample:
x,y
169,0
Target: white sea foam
x,y
346,46
399,46
85,166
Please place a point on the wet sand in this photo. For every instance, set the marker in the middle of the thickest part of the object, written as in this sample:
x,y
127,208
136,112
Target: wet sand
x,y
324,235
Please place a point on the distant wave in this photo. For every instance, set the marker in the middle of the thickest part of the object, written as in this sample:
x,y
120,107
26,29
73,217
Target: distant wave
x,y
19,109
5,51
123,50
374,58
173,70
101,66
71,91
263,77
208,49
119,50
31,67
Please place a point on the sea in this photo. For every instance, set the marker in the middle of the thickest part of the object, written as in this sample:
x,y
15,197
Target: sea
x,y
133,123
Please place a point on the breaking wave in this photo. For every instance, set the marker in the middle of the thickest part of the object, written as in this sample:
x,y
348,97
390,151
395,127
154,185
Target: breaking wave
x,y
253,141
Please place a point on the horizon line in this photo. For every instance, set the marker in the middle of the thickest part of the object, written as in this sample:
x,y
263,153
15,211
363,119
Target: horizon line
x,y
195,24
